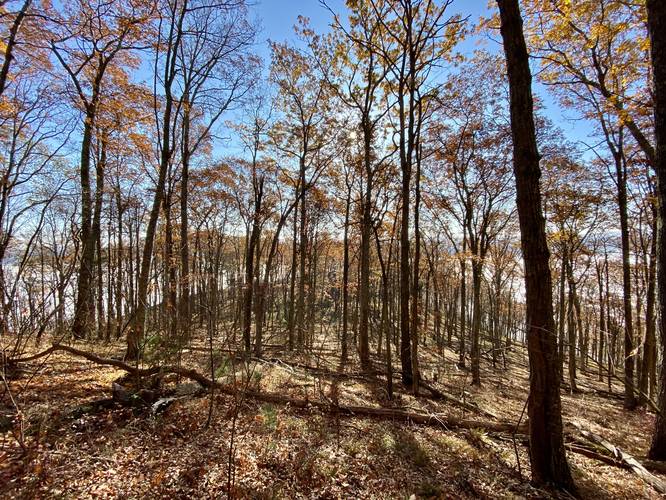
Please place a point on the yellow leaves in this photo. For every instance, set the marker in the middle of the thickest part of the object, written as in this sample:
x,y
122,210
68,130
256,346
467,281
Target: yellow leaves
x,y
598,41
6,107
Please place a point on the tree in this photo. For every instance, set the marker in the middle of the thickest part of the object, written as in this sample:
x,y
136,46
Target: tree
x,y
547,455
595,49
361,90
304,133
201,53
90,39
215,72
573,201
254,137
414,34
656,12
471,143
11,42
592,55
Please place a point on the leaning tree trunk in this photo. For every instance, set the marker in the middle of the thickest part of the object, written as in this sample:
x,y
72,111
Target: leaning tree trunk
x,y
136,334
547,455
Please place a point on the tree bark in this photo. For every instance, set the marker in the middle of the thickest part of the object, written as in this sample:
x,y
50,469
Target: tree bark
x,y
647,379
656,10
621,173
84,312
547,454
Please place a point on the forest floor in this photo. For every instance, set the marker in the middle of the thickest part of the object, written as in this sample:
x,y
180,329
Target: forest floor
x,y
62,446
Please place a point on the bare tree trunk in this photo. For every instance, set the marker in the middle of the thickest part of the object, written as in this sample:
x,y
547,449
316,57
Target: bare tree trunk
x,y
303,276
97,235
621,172
463,304
292,279
571,325
547,455
366,231
647,378
656,11
561,308
135,335
476,322
84,312
184,308
602,322
416,282
345,284
249,264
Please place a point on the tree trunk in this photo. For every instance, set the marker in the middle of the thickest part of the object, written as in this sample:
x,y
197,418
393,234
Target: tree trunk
x,y
656,10
571,326
602,323
84,312
292,277
561,310
647,379
476,321
463,305
345,285
547,454
97,235
184,308
621,173
250,263
303,277
366,230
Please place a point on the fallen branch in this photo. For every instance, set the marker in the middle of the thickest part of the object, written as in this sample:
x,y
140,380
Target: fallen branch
x,y
586,452
435,420
34,356
654,465
626,460
323,372
437,394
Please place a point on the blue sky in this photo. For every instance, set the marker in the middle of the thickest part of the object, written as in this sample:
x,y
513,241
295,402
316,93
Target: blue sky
x,y
277,18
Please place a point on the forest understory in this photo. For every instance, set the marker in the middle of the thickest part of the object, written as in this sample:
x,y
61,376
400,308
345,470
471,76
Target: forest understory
x,y
75,436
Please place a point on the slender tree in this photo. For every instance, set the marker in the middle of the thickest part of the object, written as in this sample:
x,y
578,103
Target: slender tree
x,y
547,455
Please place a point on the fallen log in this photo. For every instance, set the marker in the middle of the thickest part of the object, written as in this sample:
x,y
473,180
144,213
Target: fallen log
x,y
396,414
627,461
653,465
586,452
437,394
434,393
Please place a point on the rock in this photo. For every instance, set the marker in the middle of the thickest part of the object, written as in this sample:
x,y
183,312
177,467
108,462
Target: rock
x,y
161,405
187,389
146,396
120,394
